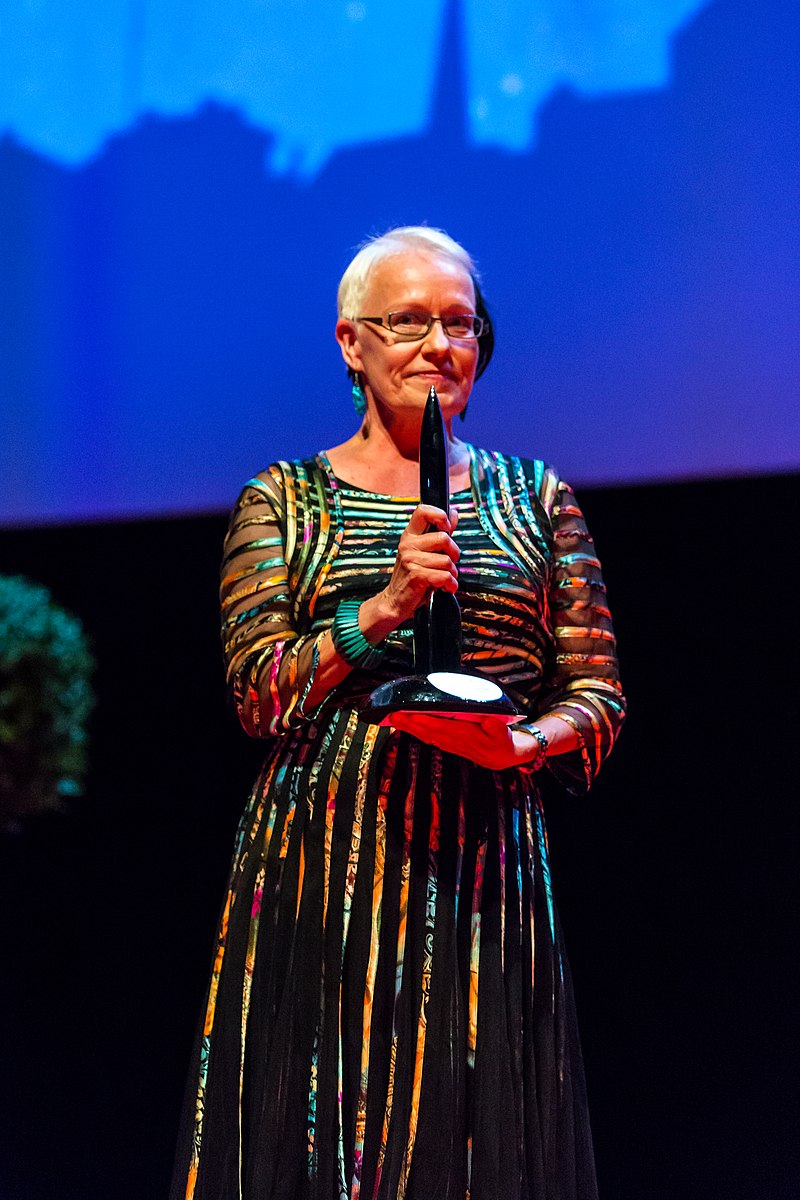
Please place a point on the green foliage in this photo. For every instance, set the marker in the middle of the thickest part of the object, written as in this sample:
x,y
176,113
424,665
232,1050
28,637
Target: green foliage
x,y
45,700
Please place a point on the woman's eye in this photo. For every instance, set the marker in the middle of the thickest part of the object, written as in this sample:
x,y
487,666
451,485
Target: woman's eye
x,y
407,320
458,324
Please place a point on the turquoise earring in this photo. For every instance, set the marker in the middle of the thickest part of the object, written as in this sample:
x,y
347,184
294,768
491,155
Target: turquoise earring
x,y
359,400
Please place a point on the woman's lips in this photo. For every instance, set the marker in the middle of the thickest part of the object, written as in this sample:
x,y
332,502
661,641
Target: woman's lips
x,y
433,376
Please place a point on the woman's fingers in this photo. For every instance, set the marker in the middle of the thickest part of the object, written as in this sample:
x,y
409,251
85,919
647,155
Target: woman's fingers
x,y
420,579
437,541
418,549
444,581
426,558
444,732
425,571
487,742
427,514
414,544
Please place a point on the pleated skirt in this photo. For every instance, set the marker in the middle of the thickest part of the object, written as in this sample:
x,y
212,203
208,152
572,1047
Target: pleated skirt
x,y
390,1012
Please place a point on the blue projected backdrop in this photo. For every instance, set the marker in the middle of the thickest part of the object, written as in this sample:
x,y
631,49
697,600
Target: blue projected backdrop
x,y
317,76
181,186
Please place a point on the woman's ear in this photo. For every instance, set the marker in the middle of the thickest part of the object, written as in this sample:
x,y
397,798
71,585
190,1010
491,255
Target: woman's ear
x,y
347,337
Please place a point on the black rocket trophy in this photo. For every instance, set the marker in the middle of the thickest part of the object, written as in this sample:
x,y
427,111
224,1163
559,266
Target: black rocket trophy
x,y
438,685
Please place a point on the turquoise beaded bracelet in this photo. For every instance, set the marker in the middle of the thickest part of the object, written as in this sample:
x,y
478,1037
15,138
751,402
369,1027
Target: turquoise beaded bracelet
x,y
348,639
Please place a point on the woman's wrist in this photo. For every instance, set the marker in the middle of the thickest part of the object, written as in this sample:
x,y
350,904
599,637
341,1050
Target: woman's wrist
x,y
560,733
535,747
349,640
377,618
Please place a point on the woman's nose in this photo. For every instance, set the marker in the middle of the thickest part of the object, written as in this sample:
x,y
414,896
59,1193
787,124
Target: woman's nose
x,y
436,338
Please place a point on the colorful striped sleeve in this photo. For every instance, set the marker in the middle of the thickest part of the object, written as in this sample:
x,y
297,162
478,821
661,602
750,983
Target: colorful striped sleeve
x,y
269,666
583,685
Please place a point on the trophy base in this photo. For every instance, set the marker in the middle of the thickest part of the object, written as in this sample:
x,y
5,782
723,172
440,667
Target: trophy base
x,y
453,694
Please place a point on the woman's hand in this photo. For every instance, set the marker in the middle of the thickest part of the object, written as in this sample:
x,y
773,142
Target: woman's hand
x,y
425,560
488,742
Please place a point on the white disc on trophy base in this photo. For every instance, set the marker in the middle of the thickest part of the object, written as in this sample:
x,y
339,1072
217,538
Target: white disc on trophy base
x,y
465,687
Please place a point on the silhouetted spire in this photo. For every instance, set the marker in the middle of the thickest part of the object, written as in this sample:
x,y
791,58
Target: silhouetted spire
x,y
449,110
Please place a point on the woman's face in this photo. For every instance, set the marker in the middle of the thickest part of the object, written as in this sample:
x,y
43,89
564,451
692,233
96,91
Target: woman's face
x,y
400,374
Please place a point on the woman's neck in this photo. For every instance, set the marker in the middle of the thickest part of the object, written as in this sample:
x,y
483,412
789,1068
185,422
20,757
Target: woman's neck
x,y
385,459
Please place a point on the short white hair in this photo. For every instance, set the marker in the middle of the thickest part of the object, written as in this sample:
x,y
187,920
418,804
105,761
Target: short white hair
x,y
355,281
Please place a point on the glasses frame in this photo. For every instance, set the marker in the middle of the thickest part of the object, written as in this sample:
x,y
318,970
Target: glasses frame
x,y
478,320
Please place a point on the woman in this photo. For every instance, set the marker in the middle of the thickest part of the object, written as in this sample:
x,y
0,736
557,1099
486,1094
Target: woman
x,y
390,1012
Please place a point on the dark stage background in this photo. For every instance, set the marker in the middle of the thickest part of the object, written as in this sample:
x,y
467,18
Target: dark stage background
x,y
676,878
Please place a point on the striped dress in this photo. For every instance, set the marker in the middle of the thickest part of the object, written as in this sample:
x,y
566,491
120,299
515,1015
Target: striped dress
x,y
389,1013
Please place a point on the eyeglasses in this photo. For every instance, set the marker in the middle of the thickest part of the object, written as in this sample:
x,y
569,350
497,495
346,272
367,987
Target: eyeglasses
x,y
412,327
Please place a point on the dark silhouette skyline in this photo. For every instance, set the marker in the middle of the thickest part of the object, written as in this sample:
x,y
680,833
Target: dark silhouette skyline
x,y
167,321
